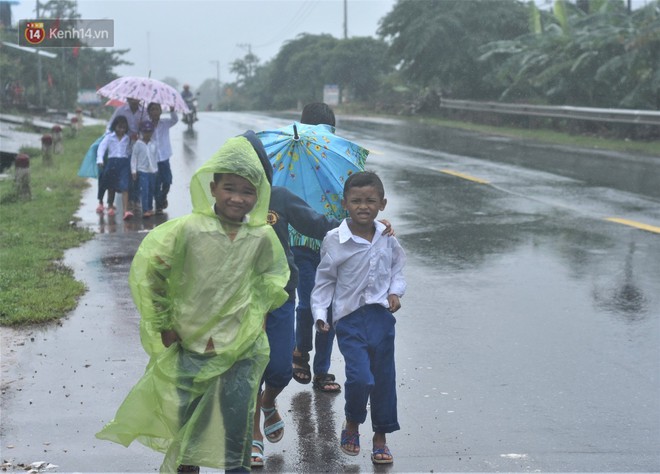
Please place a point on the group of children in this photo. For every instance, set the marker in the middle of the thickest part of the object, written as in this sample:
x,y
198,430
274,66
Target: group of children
x,y
133,163
206,285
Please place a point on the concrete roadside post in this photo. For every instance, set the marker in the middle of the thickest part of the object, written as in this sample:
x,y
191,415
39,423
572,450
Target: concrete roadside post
x,y
74,127
58,146
79,116
47,149
22,177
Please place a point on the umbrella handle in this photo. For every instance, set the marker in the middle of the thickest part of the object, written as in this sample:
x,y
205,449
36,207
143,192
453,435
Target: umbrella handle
x,y
295,132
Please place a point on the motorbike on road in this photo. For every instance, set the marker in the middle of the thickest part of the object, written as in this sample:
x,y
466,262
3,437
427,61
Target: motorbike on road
x,y
190,117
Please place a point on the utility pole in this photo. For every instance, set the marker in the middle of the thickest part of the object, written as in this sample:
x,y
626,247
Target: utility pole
x,y
217,83
39,85
345,19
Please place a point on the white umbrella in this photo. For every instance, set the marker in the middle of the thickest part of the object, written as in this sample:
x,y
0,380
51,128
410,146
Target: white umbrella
x,y
146,90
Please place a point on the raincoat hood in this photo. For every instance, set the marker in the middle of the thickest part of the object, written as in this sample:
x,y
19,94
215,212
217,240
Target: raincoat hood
x,y
238,156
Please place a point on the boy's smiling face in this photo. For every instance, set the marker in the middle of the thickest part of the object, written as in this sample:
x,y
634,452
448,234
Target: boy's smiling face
x,y
234,197
363,204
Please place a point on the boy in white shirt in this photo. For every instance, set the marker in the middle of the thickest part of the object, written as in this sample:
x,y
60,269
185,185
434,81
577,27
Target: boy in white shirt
x,y
144,167
360,275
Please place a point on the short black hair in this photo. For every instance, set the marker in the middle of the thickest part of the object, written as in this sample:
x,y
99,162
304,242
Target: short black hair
x,y
362,179
317,113
117,119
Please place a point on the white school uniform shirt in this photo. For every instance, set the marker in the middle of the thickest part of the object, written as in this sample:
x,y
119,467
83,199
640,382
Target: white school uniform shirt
x,y
354,272
133,119
116,148
144,157
162,136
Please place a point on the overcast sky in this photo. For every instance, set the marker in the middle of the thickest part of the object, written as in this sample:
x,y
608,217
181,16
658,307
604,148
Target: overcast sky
x,y
185,38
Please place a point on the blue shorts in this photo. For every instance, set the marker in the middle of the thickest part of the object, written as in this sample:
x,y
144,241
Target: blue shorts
x,y
117,174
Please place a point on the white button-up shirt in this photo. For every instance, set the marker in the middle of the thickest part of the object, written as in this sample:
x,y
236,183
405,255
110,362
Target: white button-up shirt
x,y
115,147
354,272
162,136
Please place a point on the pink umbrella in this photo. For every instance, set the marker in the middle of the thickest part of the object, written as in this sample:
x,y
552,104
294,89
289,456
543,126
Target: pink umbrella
x,y
145,89
115,103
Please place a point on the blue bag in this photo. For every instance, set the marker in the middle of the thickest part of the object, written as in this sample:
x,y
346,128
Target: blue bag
x,y
88,167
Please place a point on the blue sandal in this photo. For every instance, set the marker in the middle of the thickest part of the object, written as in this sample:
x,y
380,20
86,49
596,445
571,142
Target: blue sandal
x,y
270,429
257,458
384,451
349,439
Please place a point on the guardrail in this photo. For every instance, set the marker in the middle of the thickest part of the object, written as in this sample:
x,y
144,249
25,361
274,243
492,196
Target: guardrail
x,y
638,117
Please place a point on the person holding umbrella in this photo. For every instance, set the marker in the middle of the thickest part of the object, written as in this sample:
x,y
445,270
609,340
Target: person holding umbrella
x,y
157,94
306,255
134,112
312,162
162,138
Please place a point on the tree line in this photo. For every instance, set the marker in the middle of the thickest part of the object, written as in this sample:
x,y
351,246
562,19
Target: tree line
x,y
590,53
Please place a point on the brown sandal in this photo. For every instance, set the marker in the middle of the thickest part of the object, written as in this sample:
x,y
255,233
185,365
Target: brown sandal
x,y
322,381
302,361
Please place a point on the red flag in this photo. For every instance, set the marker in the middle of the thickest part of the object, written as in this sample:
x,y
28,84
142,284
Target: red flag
x,y
76,51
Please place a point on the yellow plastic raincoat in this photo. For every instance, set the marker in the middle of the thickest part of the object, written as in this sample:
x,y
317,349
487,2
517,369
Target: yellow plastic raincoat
x,y
192,404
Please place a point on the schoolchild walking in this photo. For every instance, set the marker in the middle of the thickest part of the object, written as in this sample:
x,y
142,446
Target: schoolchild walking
x,y
144,167
161,136
306,254
134,112
116,174
203,284
286,211
360,276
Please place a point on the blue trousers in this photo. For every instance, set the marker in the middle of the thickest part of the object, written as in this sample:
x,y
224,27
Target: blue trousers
x,y
147,186
307,260
279,328
366,340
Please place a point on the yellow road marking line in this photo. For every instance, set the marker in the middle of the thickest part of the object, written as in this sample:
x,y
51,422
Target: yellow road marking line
x,y
618,220
638,225
464,176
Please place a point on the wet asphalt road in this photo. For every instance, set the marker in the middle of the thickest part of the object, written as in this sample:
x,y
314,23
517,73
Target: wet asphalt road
x,y
529,339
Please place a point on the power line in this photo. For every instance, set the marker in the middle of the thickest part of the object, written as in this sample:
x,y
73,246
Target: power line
x,y
299,17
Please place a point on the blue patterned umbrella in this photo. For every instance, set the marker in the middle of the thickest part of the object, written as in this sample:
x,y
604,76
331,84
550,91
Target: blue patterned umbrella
x,y
313,163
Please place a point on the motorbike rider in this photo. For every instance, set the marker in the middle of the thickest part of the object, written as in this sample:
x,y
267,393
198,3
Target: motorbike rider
x,y
190,100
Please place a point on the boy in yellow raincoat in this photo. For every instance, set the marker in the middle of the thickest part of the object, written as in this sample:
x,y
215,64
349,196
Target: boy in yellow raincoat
x,y
203,284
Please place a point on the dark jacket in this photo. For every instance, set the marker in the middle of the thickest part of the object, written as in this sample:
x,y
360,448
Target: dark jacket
x,y
288,209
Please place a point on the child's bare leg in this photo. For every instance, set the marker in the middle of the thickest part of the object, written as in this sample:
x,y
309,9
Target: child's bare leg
x,y
124,201
256,428
268,398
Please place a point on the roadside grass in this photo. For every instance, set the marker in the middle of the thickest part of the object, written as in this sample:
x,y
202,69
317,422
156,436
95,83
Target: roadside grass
x,y
35,286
